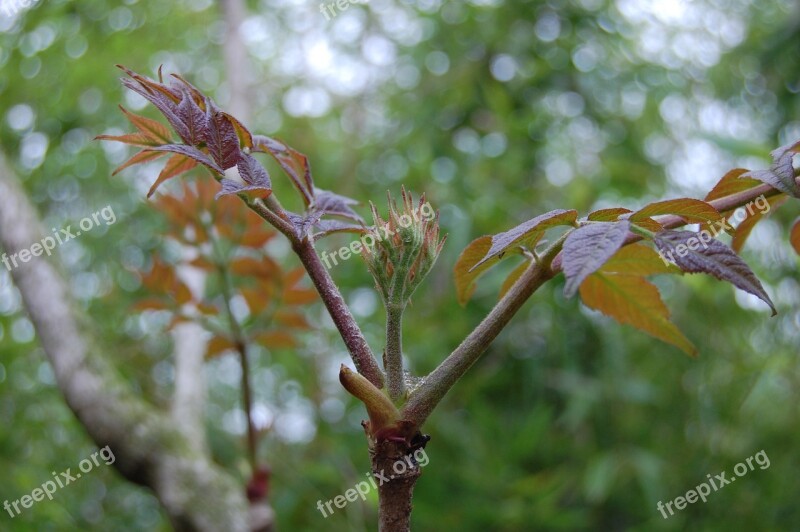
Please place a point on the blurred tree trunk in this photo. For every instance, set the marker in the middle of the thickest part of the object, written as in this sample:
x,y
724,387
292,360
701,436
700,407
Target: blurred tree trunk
x,y
150,448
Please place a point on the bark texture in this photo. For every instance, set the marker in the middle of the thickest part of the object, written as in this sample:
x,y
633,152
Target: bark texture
x,y
395,472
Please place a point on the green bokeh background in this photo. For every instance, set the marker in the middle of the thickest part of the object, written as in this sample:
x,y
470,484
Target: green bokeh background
x,y
498,111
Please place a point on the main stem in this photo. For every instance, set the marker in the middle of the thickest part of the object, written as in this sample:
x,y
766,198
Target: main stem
x,y
394,463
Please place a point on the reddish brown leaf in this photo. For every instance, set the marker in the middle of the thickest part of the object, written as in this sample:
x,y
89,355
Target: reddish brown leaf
x,y
608,215
291,319
256,233
218,345
157,132
276,339
141,157
633,301
527,233
292,295
299,297
192,152
512,278
293,163
753,215
247,266
731,183
181,293
134,139
208,310
159,278
198,96
257,299
466,270
203,263
336,205
176,165
638,259
692,210
193,117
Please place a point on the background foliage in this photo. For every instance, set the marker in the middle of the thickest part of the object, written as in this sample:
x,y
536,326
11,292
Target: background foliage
x,y
498,110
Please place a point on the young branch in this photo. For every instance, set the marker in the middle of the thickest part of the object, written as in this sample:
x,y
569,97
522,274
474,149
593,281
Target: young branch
x,y
393,355
423,401
353,338
438,383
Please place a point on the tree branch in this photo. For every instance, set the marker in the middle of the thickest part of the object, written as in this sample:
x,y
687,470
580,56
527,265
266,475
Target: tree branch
x,y
423,401
353,338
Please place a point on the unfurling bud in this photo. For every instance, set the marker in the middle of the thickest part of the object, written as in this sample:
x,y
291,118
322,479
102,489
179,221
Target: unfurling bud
x,y
406,248
381,410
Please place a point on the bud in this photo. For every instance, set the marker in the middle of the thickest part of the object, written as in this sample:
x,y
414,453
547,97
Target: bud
x,y
407,246
381,410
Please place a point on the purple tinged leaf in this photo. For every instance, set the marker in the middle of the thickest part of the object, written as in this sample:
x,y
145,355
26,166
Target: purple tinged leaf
x,y
329,227
693,254
330,203
198,96
303,224
293,163
253,173
221,138
781,172
269,144
587,248
161,101
193,117
248,176
233,187
190,151
527,232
